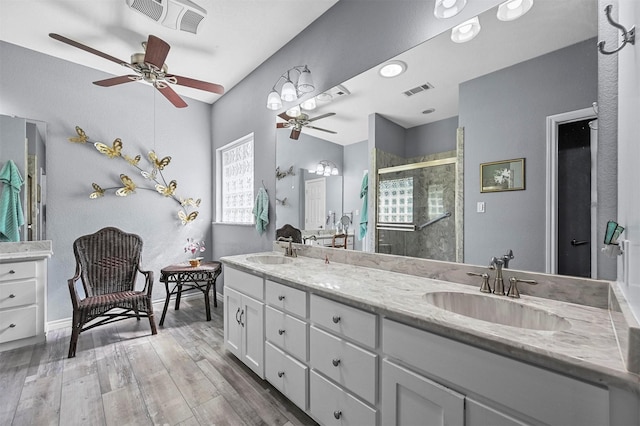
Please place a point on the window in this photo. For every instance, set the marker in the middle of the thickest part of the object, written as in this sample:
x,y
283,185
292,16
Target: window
x,y
234,183
395,200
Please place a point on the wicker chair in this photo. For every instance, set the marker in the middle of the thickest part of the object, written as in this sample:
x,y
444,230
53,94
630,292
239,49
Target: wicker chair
x,y
107,263
289,231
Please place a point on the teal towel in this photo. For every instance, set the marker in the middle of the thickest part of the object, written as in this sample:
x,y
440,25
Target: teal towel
x,y
261,210
11,217
364,216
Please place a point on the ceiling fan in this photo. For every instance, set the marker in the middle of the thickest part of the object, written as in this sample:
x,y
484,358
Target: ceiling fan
x,y
150,67
302,120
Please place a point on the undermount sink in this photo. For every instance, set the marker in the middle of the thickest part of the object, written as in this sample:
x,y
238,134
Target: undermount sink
x,y
497,310
269,259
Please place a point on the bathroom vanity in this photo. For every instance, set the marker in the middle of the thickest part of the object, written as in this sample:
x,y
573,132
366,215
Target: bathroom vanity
x,y
23,290
353,342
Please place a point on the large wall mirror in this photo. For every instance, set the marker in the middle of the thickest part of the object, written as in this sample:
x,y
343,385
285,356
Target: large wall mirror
x,y
488,100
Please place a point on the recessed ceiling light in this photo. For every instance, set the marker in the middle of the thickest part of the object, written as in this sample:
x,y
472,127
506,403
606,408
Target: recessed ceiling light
x,y
429,111
392,69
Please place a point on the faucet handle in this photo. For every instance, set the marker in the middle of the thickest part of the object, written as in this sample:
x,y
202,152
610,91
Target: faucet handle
x,y
513,286
485,287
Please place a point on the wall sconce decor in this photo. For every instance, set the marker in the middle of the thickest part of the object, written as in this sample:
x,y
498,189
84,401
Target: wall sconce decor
x,y
283,174
325,168
290,91
155,176
627,36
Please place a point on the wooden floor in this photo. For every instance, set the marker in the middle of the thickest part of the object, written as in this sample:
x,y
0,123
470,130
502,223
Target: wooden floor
x,y
122,375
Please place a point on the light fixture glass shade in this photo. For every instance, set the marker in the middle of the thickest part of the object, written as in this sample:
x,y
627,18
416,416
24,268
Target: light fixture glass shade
x,y
288,92
305,82
327,171
466,31
513,9
320,169
448,8
294,112
309,104
334,171
273,101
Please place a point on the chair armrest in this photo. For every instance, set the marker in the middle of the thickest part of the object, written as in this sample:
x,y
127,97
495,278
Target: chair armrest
x,y
148,281
75,298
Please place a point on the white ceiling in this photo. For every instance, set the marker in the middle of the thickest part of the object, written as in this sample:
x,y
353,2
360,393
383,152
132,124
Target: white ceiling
x,y
548,26
232,40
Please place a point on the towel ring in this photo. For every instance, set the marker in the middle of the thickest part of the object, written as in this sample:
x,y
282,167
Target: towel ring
x,y
627,36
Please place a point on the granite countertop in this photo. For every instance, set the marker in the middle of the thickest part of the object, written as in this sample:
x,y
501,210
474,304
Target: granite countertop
x,y
25,250
587,350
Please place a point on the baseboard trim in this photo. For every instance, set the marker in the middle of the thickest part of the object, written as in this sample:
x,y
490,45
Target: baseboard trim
x,y
66,322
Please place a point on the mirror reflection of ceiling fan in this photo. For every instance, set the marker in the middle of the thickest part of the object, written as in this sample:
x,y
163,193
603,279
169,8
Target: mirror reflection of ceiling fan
x,y
150,67
297,123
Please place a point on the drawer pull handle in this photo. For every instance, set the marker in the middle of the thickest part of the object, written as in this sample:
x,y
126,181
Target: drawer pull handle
x,y
281,331
337,414
12,271
11,296
281,297
12,325
280,373
335,362
336,319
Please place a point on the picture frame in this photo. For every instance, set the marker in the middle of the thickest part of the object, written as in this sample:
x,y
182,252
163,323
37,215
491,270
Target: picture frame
x,y
505,175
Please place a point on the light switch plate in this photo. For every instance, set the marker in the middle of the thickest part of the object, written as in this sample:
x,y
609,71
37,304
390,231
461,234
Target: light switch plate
x,y
480,207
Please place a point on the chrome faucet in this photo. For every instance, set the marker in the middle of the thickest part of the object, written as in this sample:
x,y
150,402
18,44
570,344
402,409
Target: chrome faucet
x,y
288,251
498,282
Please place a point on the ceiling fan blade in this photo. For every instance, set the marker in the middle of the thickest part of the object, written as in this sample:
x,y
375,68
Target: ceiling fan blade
x,y
172,96
295,133
282,125
117,80
157,51
197,84
323,130
87,49
285,117
329,114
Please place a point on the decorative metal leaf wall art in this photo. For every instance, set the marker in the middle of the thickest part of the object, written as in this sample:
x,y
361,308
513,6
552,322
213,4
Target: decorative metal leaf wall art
x,y
156,179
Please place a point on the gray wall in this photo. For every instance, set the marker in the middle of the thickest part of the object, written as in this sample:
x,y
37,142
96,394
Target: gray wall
x,y
439,136
64,98
514,126
356,161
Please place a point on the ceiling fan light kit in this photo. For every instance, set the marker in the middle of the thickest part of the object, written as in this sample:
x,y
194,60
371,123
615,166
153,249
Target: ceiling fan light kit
x,y
296,123
290,91
150,68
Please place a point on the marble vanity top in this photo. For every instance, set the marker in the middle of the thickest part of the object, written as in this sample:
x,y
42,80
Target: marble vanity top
x,y
24,250
587,350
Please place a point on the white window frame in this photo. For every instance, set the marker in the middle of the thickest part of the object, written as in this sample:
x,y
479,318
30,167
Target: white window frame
x,y
220,181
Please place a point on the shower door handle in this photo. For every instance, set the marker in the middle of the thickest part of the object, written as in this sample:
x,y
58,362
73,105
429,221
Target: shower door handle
x,y
578,243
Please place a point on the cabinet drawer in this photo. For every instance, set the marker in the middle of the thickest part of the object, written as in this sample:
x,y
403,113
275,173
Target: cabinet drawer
x,y
248,284
344,320
17,270
287,332
17,293
286,298
345,363
536,392
331,405
287,375
18,323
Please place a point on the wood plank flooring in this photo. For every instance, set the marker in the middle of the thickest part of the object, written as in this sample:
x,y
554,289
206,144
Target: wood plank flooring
x,y
122,375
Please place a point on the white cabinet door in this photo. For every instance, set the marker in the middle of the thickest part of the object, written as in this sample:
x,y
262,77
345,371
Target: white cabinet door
x,y
232,327
478,414
252,322
411,399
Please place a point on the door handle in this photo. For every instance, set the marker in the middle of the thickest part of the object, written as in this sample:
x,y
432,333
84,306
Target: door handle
x,y
578,243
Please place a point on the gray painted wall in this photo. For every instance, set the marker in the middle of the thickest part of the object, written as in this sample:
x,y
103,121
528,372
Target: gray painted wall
x,y
66,98
439,136
515,127
356,161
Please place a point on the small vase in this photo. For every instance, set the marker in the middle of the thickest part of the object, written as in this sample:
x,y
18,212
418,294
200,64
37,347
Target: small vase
x,y
195,262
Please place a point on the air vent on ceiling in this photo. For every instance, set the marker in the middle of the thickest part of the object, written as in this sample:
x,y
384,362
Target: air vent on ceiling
x,y
333,93
418,89
175,14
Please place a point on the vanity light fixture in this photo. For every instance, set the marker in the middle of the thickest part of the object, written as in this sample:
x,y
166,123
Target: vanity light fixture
x,y
392,69
513,9
448,8
466,31
325,168
290,91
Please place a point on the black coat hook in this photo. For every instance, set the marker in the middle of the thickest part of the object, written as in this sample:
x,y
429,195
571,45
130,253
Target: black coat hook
x,y
627,36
